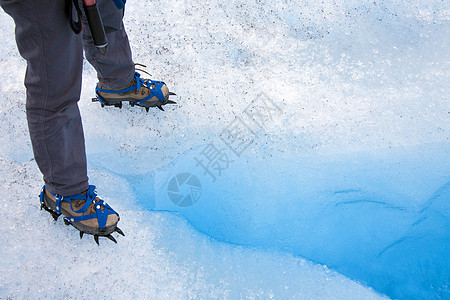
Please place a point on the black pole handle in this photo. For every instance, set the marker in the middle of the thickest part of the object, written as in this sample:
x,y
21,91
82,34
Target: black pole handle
x,y
95,25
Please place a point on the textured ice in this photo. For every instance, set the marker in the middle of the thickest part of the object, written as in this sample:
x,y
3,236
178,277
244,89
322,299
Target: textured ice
x,y
349,171
161,257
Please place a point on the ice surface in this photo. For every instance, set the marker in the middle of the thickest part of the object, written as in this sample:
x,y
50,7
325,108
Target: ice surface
x,y
349,170
161,257
381,217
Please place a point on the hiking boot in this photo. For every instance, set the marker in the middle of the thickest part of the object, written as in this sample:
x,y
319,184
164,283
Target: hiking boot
x,y
86,212
141,92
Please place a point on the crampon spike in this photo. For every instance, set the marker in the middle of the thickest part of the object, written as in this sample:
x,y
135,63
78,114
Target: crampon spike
x,y
119,105
172,94
147,108
170,102
111,238
160,107
119,231
103,105
81,234
54,215
96,239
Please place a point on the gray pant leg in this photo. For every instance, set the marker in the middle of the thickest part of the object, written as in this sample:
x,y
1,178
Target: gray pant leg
x,y
115,70
53,82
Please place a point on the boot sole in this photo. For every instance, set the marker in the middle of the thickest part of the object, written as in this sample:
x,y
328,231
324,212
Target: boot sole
x,y
147,104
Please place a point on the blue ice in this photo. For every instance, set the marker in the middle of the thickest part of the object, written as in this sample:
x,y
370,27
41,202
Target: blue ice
x,y
381,217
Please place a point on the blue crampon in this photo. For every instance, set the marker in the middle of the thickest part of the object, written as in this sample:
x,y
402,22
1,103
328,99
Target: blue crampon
x,y
154,87
100,210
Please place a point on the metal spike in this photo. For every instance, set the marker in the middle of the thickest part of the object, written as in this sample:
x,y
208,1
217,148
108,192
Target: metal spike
x,y
119,105
66,222
111,238
96,239
170,102
81,234
160,107
103,105
119,231
172,94
55,216
147,108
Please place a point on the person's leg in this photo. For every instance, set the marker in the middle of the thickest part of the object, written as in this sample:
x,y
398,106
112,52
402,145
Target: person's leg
x,y
53,82
115,69
118,81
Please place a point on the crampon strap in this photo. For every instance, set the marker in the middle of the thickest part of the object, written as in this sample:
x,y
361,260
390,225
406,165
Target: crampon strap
x,y
155,92
102,209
